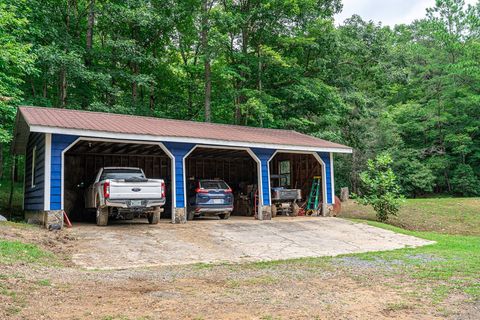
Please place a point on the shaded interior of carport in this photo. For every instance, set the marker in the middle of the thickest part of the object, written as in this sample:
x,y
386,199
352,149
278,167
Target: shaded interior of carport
x,y
236,167
296,171
84,159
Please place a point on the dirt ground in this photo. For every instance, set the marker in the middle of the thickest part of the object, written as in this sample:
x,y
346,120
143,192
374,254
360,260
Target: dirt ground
x,y
301,289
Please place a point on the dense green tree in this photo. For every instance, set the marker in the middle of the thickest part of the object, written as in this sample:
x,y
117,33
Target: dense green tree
x,y
412,90
415,177
16,62
464,181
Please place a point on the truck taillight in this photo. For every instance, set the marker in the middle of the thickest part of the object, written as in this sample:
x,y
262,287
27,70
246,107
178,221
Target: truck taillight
x,y
163,188
106,189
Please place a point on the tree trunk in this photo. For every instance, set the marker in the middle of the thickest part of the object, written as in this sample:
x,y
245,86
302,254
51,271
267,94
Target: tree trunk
x,y
63,71
45,87
134,84
135,68
238,111
1,161
242,98
90,25
111,97
447,181
32,83
88,51
63,88
152,98
260,69
208,90
206,51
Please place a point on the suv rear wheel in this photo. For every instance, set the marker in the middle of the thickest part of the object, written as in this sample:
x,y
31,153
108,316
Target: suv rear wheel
x,y
224,216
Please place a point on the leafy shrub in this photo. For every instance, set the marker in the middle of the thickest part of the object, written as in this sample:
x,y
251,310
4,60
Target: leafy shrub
x,y
380,188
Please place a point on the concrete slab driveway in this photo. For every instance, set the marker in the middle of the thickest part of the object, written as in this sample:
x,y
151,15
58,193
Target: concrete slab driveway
x,y
126,245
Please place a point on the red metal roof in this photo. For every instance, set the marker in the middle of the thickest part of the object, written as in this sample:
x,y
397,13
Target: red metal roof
x,y
138,125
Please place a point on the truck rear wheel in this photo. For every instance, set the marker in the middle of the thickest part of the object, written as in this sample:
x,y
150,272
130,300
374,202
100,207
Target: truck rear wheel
x,y
154,217
102,216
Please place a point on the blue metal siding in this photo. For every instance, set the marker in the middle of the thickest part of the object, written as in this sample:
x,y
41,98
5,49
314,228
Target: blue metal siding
x,y
264,155
325,156
59,143
179,150
34,196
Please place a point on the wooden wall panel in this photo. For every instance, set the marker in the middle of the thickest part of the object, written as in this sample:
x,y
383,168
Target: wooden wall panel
x,y
34,195
233,171
303,167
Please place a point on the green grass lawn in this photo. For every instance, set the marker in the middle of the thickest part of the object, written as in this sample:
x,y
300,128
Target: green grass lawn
x,y
453,263
443,215
16,251
450,265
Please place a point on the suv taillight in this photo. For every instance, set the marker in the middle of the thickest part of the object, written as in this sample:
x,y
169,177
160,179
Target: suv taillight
x,y
106,189
229,190
162,185
200,190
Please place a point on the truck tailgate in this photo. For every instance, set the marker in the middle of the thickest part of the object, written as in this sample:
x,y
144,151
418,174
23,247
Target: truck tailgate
x,y
122,190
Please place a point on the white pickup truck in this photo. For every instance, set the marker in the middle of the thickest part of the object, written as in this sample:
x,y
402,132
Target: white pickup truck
x,y
125,193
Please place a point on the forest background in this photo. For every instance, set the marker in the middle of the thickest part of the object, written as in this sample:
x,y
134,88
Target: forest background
x,y
412,91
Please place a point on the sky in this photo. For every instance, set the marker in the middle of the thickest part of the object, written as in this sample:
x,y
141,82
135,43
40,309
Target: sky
x,y
389,12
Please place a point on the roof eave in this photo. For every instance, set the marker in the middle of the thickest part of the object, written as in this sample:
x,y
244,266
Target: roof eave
x,y
153,138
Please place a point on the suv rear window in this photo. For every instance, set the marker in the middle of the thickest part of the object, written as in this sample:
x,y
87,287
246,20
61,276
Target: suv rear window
x,y
121,174
213,184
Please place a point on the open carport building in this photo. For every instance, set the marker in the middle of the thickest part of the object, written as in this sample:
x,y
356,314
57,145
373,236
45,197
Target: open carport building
x,y
64,148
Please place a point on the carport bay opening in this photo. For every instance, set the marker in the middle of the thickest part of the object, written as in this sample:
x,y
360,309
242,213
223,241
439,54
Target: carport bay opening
x,y
239,167
85,157
296,170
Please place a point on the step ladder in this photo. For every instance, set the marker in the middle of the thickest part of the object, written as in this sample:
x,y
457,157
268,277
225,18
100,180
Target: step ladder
x,y
313,203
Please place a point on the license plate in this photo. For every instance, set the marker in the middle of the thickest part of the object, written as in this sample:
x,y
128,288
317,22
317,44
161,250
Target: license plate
x,y
217,201
136,203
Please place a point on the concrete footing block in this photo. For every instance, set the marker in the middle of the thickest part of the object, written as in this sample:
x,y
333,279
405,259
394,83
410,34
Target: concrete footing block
x,y
180,215
266,213
52,219
327,210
